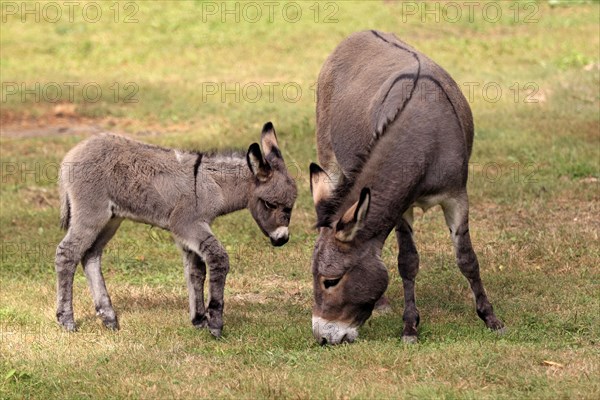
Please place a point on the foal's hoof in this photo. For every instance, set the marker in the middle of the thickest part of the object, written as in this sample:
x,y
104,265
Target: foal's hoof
x,y
409,339
67,322
113,324
69,326
216,332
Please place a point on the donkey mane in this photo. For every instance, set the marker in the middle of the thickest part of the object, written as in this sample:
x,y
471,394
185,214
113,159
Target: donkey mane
x,y
211,152
328,208
226,152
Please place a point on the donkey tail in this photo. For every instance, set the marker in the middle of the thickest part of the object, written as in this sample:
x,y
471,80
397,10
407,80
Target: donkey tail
x,y
65,208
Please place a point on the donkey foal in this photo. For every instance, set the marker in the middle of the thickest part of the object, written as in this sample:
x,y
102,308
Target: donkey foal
x,y
108,178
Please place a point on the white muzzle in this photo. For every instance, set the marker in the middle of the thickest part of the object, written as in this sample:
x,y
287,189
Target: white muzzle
x,y
333,332
279,233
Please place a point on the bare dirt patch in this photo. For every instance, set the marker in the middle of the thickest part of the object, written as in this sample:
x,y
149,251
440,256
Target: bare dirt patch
x,y
62,120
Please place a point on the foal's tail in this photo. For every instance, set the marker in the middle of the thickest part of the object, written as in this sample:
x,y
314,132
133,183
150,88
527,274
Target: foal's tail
x,y
65,206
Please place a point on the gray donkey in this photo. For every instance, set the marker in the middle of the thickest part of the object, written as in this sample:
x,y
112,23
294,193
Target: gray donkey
x,y
108,178
393,132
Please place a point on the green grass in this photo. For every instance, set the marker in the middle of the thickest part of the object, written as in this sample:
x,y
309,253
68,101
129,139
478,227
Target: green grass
x,y
533,186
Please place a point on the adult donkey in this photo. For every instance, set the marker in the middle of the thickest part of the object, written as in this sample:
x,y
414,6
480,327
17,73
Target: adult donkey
x,y
393,132
108,178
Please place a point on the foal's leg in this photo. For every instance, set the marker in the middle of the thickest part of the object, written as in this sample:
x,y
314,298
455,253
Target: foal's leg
x,y
200,239
92,268
456,213
80,237
408,266
195,274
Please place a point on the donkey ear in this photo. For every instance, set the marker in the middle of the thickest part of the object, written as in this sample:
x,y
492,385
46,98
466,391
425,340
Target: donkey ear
x,y
268,140
354,218
256,163
320,184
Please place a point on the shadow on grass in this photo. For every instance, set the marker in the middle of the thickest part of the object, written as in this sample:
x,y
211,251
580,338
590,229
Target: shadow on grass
x,y
148,299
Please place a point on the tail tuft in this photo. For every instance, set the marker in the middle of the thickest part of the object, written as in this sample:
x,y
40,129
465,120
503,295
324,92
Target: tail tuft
x,y
65,211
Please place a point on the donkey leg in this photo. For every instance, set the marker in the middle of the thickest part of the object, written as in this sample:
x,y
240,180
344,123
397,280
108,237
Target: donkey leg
x,y
93,272
456,213
79,239
201,241
195,275
408,266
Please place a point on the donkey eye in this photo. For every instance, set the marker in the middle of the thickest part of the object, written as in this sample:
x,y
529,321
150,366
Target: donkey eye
x,y
331,282
268,205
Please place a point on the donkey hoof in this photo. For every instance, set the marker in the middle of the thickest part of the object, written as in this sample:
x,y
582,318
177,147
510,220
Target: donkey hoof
x,y
494,324
112,324
501,331
70,327
68,324
200,322
216,332
200,325
409,339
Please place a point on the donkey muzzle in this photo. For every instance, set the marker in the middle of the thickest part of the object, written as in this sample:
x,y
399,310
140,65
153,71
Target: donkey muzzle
x,y
333,332
279,236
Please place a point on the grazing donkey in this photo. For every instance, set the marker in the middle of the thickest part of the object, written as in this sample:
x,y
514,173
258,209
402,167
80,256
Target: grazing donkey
x,y
394,132
108,178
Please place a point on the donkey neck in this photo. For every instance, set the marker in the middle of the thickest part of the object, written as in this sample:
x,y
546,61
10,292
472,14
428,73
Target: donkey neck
x,y
232,179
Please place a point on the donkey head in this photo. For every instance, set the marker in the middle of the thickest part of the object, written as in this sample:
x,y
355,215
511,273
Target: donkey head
x,y
273,191
348,274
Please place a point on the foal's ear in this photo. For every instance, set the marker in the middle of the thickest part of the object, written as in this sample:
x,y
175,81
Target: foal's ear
x,y
354,218
257,165
268,140
321,185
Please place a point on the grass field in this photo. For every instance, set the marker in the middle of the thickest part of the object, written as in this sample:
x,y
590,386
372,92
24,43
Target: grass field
x,y
189,76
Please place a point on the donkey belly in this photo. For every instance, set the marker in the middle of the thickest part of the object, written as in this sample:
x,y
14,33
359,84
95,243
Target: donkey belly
x,y
426,202
150,217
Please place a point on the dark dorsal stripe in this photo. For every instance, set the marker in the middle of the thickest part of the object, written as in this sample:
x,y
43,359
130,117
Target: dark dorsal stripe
x,y
394,44
415,78
196,167
400,77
